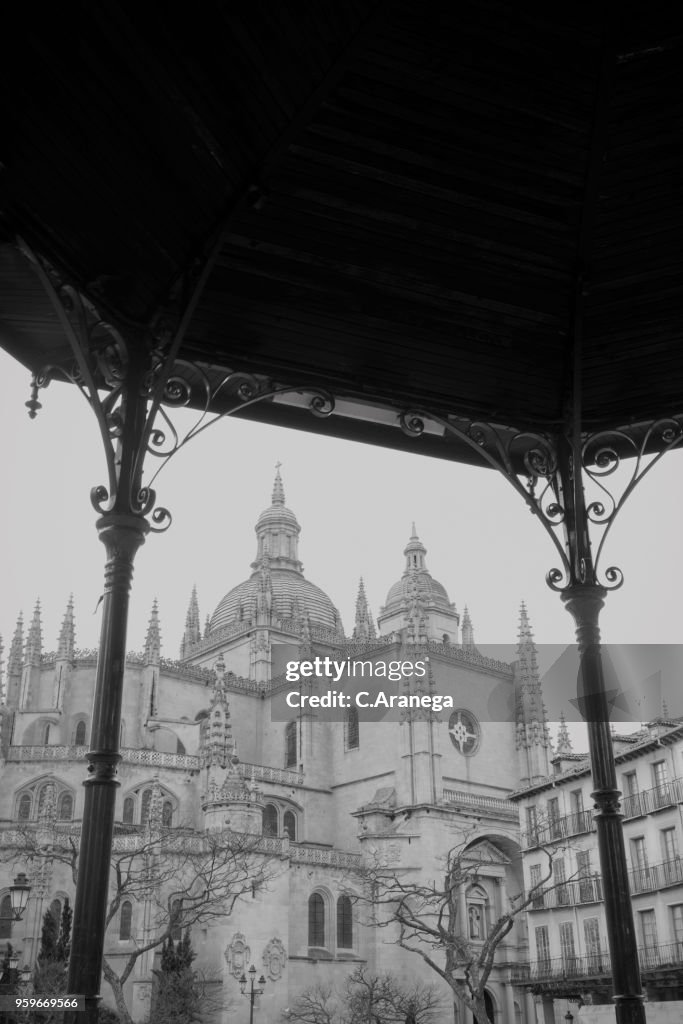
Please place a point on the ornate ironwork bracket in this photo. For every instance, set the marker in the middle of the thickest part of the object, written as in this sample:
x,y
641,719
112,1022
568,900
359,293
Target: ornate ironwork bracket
x,y
132,388
576,509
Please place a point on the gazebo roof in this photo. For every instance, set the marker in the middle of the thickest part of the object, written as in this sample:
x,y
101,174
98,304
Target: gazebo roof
x,y
411,207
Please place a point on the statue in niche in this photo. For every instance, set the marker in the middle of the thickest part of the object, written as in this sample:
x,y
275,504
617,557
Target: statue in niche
x,y
474,914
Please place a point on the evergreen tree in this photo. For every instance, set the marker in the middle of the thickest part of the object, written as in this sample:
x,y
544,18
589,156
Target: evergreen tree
x,y
177,991
49,976
63,947
48,939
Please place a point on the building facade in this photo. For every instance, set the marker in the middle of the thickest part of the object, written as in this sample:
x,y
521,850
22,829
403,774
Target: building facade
x,y
210,745
569,957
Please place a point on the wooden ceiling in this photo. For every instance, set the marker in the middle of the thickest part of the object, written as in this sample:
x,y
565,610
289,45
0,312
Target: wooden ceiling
x,y
412,205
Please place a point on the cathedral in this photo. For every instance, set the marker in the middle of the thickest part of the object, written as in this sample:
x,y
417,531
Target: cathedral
x,y
208,743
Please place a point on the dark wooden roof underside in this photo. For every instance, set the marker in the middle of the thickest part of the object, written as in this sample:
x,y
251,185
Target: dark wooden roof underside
x,y
415,206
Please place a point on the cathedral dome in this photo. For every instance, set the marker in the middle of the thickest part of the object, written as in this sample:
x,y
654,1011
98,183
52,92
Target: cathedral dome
x,y
277,587
416,581
292,596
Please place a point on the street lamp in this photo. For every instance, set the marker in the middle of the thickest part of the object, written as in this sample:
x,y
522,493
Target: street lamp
x,y
251,992
18,895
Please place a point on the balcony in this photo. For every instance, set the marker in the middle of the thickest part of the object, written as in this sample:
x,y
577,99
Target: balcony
x,y
656,876
652,800
569,894
595,965
559,828
491,806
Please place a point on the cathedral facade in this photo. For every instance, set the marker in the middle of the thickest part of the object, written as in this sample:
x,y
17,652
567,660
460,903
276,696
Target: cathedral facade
x,y
209,743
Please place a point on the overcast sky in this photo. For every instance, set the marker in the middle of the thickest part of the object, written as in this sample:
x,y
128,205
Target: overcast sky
x,y
355,505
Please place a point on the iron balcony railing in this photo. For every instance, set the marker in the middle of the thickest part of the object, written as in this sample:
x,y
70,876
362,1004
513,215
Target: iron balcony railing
x,y
595,965
559,828
656,876
568,894
651,800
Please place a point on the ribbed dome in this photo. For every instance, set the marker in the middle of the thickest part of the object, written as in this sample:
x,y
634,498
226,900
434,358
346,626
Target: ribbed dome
x,y
416,577
289,588
277,588
429,589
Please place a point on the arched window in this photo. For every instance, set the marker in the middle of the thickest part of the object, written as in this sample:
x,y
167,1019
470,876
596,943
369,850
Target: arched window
x,y
344,923
56,911
6,917
24,808
128,810
122,734
79,738
290,745
46,734
180,748
316,920
145,805
65,808
167,814
352,739
289,825
270,820
125,920
176,920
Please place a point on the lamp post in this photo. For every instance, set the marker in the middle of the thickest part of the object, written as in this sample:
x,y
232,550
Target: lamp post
x,y
18,897
251,992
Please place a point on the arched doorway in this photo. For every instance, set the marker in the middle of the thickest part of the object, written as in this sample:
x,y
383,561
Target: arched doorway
x,y
489,1007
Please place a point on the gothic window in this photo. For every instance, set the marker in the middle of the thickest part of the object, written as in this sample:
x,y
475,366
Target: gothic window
x,y
125,920
65,808
290,745
128,810
270,820
6,917
145,805
289,825
167,814
316,920
24,808
56,911
352,737
344,923
79,738
176,920
46,734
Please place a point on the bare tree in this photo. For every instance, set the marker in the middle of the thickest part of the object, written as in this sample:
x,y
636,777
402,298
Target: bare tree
x,y
429,921
181,876
366,999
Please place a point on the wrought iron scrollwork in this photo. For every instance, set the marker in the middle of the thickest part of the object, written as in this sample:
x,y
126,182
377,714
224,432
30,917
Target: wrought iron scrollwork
x,y
532,463
132,389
